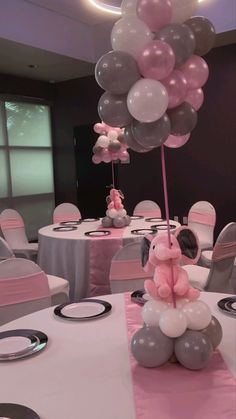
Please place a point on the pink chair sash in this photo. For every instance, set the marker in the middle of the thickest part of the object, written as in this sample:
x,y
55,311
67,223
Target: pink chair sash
x,y
174,392
127,269
101,251
199,217
153,213
65,217
26,288
224,251
12,223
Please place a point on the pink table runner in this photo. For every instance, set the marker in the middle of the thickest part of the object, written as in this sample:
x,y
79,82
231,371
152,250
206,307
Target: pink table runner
x,y
101,252
173,392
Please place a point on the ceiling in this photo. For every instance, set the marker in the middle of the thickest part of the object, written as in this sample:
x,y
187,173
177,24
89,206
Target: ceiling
x,y
67,27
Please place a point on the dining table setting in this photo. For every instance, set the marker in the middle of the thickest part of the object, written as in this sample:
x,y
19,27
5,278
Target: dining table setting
x,y
81,251
75,360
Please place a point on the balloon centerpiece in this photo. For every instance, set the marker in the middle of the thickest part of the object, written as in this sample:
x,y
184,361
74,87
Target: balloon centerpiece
x,y
153,83
116,215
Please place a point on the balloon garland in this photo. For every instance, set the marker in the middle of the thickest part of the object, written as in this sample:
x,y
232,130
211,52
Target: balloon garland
x,y
153,83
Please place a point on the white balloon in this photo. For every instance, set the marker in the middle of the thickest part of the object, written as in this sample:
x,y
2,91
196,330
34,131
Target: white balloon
x,y
181,302
112,135
147,100
130,34
112,213
102,141
198,315
182,10
129,7
122,212
152,311
173,323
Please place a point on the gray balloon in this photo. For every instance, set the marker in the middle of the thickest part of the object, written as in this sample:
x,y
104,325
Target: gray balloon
x,y
183,119
214,332
132,143
180,38
113,110
121,138
114,145
97,149
119,222
107,222
193,350
150,347
204,33
152,134
127,220
116,72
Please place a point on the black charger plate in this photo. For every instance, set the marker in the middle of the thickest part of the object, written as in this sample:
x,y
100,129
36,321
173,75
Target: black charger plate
x,y
17,411
228,305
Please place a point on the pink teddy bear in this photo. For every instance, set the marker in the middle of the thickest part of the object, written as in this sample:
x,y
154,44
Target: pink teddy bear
x,y
161,257
115,199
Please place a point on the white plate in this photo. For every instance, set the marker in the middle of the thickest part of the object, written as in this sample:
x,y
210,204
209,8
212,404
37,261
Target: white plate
x,y
83,310
14,344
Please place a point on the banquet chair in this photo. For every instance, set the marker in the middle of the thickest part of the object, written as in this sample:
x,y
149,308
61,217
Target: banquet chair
x,y
13,229
5,250
126,272
66,212
147,209
202,219
20,268
217,278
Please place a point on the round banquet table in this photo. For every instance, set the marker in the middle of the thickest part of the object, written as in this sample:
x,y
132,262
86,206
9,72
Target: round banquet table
x,y
68,254
84,372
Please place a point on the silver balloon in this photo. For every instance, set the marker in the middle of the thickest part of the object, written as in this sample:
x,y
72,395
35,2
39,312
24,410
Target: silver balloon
x,y
132,143
127,220
114,145
181,39
113,110
150,347
214,332
107,222
152,134
183,119
116,72
97,149
119,222
193,350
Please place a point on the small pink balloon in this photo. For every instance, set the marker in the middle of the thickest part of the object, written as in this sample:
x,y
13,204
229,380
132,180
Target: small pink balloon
x,y
177,88
174,141
99,128
155,13
195,97
196,71
123,155
96,159
156,60
105,156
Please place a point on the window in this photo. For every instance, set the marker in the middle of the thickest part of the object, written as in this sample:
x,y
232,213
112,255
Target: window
x,y
26,166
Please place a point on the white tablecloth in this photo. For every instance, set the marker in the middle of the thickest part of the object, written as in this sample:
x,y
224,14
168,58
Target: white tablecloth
x,y
84,372
66,254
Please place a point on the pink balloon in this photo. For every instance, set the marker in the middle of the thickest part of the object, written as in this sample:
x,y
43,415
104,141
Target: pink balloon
x,y
123,155
99,128
196,71
174,141
156,60
106,156
177,88
195,97
96,159
155,13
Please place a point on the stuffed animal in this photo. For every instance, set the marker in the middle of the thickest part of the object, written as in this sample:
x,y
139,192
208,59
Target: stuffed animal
x,y
164,259
114,199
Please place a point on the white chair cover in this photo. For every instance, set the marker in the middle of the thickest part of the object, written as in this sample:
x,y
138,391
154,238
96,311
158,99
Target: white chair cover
x,y
147,209
126,273
22,291
66,212
5,250
202,219
219,276
13,229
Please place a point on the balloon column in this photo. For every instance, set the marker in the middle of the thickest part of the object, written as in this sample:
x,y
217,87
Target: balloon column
x,y
110,145
154,76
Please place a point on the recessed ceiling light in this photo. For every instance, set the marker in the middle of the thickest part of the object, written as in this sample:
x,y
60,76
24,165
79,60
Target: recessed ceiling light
x,y
33,65
99,4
